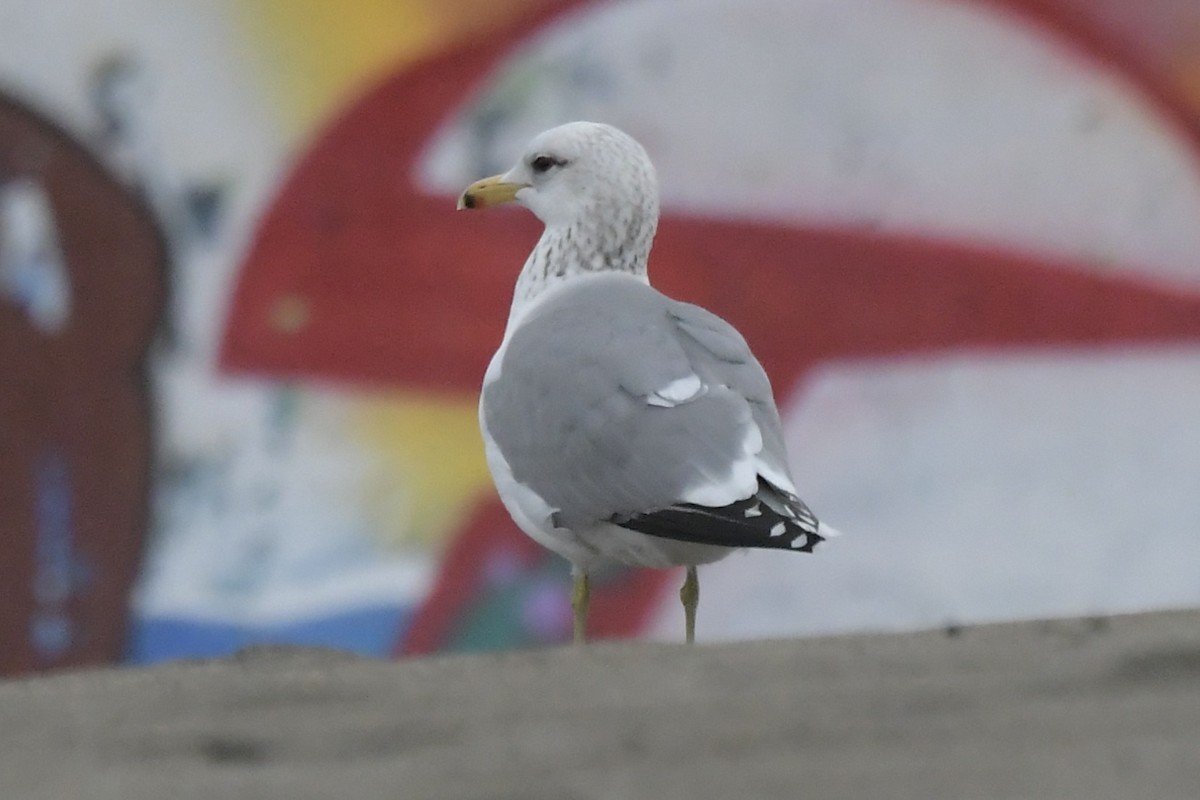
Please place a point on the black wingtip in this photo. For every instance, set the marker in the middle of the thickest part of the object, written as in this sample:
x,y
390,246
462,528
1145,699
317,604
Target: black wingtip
x,y
746,523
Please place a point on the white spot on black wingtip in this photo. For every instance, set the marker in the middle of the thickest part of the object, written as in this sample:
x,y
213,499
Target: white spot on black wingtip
x,y
753,511
801,542
778,528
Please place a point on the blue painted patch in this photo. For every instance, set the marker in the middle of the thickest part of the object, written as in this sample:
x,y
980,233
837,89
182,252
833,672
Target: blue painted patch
x,y
59,572
369,632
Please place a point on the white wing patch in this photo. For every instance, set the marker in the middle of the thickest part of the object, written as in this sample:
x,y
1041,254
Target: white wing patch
x,y
678,392
739,483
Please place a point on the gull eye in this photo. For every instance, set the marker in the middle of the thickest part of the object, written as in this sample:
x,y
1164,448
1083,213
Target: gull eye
x,y
543,164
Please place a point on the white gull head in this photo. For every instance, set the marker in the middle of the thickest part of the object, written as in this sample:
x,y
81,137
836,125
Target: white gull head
x,y
595,190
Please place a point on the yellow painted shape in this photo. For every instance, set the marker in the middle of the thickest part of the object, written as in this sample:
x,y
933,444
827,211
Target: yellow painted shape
x,y
431,444
316,54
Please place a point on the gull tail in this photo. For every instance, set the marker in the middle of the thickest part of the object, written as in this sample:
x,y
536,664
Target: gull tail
x,y
766,519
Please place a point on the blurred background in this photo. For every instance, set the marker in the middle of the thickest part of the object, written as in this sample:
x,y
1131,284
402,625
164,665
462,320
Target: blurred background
x,y
242,329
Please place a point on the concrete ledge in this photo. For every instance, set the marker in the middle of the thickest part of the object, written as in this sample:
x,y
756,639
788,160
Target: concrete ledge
x,y
1088,709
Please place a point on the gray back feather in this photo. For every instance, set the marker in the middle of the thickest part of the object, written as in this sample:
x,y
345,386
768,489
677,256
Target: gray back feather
x,y
569,410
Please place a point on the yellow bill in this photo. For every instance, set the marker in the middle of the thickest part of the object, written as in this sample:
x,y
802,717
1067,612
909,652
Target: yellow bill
x,y
491,191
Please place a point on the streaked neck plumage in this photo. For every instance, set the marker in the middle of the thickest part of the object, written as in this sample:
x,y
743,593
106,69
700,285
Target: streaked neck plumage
x,y
608,237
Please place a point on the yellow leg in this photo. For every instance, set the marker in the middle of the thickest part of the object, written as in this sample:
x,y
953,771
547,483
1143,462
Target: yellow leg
x,y
689,593
579,604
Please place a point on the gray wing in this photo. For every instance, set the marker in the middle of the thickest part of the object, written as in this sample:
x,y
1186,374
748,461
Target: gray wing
x,y
615,403
719,353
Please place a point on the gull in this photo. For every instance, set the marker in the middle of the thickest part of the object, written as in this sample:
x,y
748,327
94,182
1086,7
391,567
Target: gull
x,y
620,424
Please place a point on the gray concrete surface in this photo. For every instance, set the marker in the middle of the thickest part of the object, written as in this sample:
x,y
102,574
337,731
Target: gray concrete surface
x,y
1094,709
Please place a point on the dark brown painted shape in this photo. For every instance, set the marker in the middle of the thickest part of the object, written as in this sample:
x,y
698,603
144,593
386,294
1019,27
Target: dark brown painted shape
x,y
74,412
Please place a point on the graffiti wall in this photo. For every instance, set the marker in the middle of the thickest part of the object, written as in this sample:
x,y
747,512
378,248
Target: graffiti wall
x,y
243,330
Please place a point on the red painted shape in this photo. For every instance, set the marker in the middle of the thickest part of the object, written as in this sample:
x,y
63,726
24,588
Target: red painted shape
x,y
617,610
624,610
401,290
802,296
373,259
490,530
